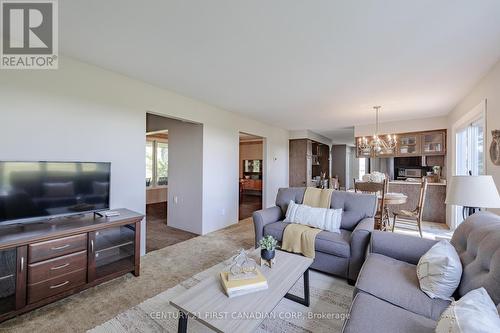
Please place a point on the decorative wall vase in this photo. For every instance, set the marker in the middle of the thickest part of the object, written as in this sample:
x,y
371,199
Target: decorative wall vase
x,y
495,147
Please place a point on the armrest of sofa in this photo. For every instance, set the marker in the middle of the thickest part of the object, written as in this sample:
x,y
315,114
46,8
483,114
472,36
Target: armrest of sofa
x,y
400,247
263,217
360,239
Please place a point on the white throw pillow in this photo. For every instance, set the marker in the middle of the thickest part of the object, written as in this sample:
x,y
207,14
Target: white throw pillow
x,y
439,271
475,312
321,218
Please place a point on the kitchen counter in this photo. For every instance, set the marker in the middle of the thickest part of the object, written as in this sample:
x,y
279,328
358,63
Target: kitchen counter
x,y
434,207
403,182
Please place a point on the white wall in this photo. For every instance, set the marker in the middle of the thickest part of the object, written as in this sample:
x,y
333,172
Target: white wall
x,y
404,126
487,89
84,112
55,116
185,171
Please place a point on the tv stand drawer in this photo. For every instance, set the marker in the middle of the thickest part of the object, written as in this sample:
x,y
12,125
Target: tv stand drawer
x,y
39,291
52,268
56,248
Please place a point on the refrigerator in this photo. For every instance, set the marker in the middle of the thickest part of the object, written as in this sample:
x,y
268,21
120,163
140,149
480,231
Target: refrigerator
x,y
384,165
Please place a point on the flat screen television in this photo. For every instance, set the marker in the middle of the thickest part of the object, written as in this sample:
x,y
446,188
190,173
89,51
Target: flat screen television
x,y
31,191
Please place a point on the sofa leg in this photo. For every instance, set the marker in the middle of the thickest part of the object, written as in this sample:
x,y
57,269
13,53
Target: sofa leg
x,y
351,282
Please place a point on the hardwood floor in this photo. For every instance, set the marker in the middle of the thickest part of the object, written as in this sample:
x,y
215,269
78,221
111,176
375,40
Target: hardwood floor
x,y
249,203
158,233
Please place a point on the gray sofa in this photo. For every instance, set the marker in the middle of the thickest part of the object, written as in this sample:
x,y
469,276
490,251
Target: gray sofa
x,y
387,294
339,254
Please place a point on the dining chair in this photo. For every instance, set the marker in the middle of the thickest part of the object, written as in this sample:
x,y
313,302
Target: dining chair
x,y
333,183
378,189
415,214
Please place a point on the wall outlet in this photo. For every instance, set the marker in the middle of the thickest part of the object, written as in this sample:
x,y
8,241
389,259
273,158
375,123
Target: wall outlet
x,y
223,211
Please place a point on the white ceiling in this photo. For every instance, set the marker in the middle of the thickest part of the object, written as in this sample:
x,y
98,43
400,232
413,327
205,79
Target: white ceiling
x,y
297,64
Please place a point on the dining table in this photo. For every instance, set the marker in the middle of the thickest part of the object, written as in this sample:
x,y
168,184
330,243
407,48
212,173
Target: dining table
x,y
390,198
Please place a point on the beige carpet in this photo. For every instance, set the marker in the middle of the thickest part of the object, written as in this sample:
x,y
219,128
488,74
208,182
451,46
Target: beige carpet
x,y
160,270
330,302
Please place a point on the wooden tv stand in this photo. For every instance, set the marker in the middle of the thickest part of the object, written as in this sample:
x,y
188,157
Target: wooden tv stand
x,y
45,261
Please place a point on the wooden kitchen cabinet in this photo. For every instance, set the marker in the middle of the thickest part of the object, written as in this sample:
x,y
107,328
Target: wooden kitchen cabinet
x,y
307,159
409,145
434,143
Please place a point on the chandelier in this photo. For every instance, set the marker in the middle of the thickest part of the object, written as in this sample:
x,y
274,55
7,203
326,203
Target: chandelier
x,y
376,144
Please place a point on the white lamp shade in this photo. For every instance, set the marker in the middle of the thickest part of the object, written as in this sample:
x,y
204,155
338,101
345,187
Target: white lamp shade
x,y
473,191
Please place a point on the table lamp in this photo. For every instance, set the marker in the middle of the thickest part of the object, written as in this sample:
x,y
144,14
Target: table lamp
x,y
473,193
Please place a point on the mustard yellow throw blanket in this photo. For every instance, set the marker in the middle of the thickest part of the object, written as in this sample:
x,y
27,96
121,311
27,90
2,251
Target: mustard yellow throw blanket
x,y
316,197
299,238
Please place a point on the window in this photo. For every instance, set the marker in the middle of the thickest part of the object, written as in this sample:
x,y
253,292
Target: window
x,y
470,149
149,163
161,163
156,163
470,156
361,167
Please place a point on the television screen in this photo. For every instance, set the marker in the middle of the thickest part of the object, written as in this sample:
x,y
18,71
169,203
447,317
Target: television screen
x,y
32,190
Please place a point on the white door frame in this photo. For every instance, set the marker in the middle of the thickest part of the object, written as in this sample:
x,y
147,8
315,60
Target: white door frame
x,y
477,112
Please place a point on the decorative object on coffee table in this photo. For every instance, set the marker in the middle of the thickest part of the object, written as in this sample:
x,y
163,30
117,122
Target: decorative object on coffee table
x,y
242,267
205,299
267,250
495,147
245,285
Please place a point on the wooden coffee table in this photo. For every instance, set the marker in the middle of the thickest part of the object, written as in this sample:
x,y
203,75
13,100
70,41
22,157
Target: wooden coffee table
x,y
207,303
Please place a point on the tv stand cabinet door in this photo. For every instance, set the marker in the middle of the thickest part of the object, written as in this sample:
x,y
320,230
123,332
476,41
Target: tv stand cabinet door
x,y
91,257
113,252
12,280
22,267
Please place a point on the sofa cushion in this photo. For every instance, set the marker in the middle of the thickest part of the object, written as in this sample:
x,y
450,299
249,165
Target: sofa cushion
x,y
477,241
326,242
475,312
355,206
370,314
296,194
439,271
396,282
334,243
316,217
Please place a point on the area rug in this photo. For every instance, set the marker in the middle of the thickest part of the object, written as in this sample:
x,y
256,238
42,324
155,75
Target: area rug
x,y
330,301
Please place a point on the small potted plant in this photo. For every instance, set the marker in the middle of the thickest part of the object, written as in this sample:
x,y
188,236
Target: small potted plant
x,y
268,246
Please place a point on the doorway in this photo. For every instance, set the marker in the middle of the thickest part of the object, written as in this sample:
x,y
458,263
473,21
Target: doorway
x,y
166,161
251,174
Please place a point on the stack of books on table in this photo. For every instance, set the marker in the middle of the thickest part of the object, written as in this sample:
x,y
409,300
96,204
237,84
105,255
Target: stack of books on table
x,y
243,285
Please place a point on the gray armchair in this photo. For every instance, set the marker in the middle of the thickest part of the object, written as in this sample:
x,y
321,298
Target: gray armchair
x,y
339,254
387,294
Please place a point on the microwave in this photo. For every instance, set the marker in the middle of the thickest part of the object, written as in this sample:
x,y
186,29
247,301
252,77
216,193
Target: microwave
x,y
413,173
